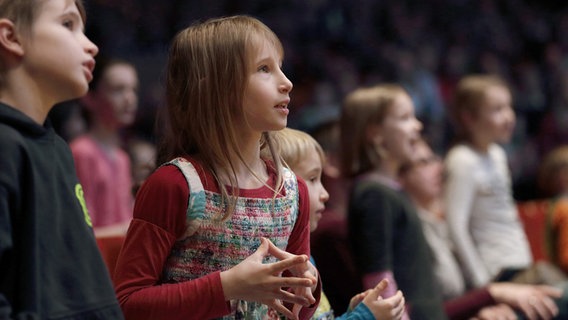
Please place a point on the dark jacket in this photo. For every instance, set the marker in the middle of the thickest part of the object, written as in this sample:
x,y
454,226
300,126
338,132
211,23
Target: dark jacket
x,y
50,266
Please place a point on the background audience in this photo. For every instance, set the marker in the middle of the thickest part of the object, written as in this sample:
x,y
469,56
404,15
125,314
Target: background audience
x,y
341,44
421,178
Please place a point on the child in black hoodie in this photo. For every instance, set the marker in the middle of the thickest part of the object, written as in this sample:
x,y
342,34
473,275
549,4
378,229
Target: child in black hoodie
x,y
50,266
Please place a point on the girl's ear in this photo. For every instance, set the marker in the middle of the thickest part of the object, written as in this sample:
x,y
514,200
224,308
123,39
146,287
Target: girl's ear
x,y
330,167
373,134
10,38
467,119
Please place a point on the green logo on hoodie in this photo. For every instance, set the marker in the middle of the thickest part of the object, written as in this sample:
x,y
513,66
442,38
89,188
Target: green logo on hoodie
x,y
80,196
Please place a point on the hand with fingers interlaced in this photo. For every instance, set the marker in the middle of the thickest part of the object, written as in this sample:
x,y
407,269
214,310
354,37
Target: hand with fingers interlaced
x,y
253,280
304,270
535,301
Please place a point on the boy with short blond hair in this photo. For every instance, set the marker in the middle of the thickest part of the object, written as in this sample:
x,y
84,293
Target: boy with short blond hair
x,y
50,264
304,155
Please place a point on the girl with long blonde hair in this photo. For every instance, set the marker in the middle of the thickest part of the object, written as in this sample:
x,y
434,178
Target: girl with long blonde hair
x,y
218,225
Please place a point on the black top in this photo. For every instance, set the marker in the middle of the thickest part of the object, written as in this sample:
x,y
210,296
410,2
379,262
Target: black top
x,y
50,266
386,235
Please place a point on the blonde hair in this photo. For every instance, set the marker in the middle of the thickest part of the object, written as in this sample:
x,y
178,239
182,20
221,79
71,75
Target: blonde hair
x,y
294,146
549,171
469,95
206,76
23,14
361,109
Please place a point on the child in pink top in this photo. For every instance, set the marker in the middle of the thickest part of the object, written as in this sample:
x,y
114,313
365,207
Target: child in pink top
x,y
103,166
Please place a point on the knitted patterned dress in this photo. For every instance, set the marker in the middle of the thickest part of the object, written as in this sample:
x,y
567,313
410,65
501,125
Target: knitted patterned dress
x,y
210,245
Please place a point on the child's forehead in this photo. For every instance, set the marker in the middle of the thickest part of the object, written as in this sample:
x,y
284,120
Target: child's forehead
x,y
66,4
317,152
497,91
260,43
488,98
494,96
117,71
307,150
61,7
401,102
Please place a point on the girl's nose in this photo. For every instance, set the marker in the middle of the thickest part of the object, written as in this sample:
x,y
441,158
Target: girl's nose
x,y
418,124
90,47
286,85
324,195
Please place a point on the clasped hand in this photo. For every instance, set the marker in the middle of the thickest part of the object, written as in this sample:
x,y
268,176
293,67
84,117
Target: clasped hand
x,y
253,280
535,301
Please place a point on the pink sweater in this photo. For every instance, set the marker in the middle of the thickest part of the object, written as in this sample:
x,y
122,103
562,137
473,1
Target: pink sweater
x,y
106,181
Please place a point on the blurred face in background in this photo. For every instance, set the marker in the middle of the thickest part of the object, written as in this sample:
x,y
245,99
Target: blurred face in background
x,y
400,129
118,94
495,119
421,176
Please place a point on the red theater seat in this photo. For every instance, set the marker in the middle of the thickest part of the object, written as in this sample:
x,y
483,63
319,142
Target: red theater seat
x,y
110,248
533,216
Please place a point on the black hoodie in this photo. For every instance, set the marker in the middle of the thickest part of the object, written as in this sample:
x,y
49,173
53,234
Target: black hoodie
x,y
50,266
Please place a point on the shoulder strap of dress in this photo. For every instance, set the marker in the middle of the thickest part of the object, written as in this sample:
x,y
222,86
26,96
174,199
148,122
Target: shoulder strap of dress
x,y
292,191
196,200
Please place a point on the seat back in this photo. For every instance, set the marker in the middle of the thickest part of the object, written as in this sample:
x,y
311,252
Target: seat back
x,y
110,248
533,216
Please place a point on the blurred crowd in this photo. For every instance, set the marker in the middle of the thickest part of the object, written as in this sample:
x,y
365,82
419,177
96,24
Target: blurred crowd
x,y
334,46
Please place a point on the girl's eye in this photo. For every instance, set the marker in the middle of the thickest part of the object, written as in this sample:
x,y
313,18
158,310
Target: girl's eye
x,y
263,69
68,24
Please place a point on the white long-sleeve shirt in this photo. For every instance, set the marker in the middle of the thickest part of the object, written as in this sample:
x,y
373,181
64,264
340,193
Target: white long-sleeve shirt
x,y
482,215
